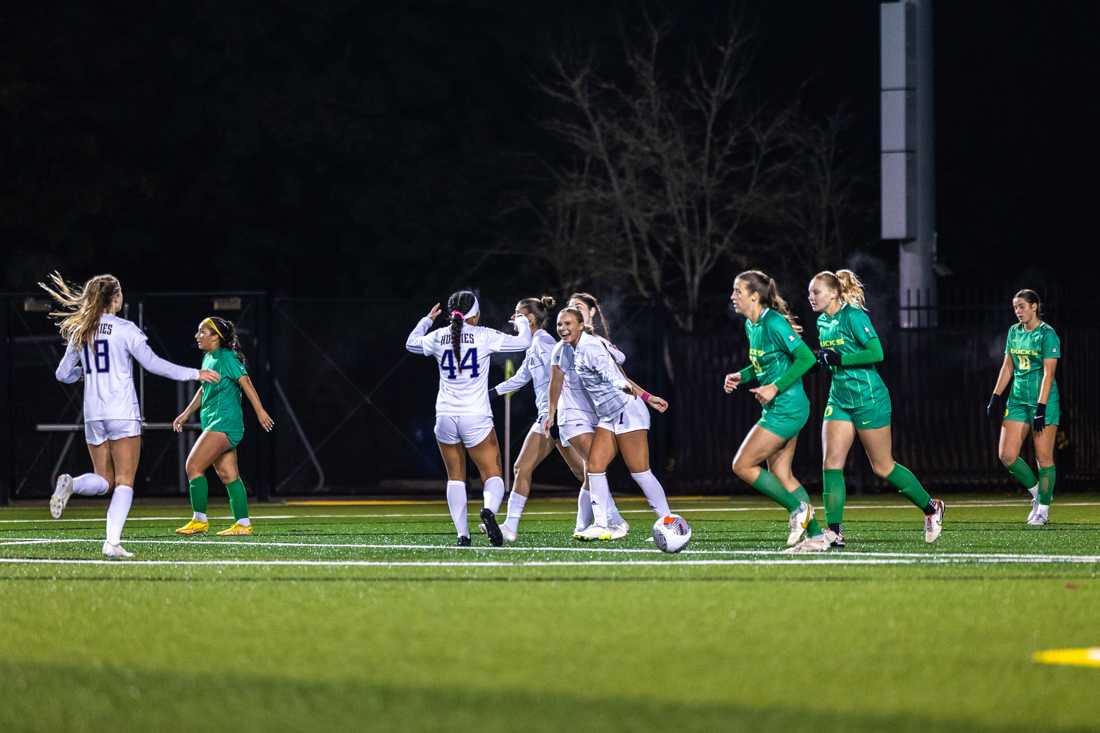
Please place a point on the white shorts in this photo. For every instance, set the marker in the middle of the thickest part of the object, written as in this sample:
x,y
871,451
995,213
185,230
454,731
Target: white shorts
x,y
537,428
97,432
469,430
635,416
572,423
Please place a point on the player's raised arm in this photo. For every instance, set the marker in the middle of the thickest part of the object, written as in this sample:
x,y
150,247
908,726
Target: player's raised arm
x,y
414,344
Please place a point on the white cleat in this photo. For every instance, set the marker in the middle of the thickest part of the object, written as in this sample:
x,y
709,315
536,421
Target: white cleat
x,y
1034,511
1040,517
836,539
933,523
591,533
62,490
797,522
616,531
820,543
509,535
115,552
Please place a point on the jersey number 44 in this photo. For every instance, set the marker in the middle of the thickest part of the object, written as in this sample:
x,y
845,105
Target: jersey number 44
x,y
469,361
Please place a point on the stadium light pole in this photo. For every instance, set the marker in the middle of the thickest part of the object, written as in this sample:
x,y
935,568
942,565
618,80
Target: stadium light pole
x,y
908,155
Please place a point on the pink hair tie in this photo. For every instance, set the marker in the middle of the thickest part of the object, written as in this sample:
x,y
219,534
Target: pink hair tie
x,y
457,313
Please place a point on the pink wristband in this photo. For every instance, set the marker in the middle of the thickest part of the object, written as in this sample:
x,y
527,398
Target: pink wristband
x,y
645,396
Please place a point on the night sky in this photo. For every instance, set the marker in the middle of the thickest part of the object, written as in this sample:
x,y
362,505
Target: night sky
x,y
340,149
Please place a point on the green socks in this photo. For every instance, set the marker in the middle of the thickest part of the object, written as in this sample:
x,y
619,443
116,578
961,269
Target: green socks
x,y
1046,485
834,493
199,491
238,499
813,529
906,483
768,485
1023,473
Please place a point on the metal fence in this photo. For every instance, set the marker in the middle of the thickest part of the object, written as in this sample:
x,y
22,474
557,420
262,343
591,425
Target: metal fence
x,y
354,411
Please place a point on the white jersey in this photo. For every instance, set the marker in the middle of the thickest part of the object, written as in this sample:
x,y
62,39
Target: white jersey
x,y
573,395
107,367
534,369
463,381
599,374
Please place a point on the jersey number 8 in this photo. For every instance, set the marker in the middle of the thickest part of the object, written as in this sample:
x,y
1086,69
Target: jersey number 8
x,y
102,355
469,361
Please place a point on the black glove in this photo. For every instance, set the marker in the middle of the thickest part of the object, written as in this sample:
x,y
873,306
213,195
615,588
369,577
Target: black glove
x,y
1040,420
554,434
995,410
828,357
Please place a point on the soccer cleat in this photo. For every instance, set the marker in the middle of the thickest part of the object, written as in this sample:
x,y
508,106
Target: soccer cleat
x,y
463,541
797,522
492,529
509,535
481,528
115,552
1041,517
592,532
933,523
836,539
194,527
811,544
62,490
236,530
1030,516
616,531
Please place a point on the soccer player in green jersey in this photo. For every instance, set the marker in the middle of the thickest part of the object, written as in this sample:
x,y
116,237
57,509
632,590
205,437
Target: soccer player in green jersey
x,y
859,403
1031,357
778,359
222,426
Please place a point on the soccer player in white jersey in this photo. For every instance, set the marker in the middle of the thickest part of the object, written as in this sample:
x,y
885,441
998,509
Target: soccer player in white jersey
x,y
100,349
538,444
463,417
621,427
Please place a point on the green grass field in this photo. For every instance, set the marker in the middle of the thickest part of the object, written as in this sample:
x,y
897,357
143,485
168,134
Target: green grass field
x,y
365,618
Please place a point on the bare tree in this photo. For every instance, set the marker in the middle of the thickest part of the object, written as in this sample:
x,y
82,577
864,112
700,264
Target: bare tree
x,y
681,165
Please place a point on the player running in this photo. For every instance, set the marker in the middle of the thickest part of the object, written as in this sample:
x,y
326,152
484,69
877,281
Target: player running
x,y
859,403
463,417
1032,352
101,347
222,427
778,359
623,419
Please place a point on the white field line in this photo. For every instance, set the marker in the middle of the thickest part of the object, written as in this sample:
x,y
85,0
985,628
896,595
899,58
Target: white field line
x,y
563,513
802,559
941,556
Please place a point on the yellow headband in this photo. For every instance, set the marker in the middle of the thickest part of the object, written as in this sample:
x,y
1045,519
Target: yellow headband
x,y
214,326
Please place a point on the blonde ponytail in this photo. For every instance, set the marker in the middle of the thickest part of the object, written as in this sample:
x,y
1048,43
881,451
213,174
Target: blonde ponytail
x,y
80,308
848,286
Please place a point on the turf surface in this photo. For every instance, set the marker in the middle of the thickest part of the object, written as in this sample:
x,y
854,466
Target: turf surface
x,y
367,618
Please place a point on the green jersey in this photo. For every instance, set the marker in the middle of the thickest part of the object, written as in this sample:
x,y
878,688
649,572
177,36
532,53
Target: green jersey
x,y
848,331
1027,349
772,342
221,402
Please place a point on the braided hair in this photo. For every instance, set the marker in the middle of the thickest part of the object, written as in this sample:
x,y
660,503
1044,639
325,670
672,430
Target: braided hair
x,y
458,304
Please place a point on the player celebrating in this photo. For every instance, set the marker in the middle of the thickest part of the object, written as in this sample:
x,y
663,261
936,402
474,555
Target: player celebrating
x,y
463,417
100,348
538,444
778,359
222,427
859,402
1031,357
623,425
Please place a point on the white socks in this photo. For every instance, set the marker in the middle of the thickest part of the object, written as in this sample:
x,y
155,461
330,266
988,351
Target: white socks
x,y
584,509
654,492
601,497
117,512
90,484
613,515
244,522
1034,491
516,502
456,502
493,493
199,516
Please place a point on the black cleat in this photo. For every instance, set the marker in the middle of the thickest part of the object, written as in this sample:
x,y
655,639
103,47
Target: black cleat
x,y
463,541
496,539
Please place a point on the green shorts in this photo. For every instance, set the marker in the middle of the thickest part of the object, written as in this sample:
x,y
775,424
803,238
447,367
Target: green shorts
x,y
785,421
234,436
1024,412
868,417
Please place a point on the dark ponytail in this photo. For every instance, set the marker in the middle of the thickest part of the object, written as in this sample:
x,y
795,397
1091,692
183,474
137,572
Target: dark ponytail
x,y
594,305
1031,297
227,332
765,286
458,304
539,308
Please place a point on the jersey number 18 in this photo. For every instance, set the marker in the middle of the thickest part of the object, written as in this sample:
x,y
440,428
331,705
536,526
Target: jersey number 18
x,y
102,355
469,361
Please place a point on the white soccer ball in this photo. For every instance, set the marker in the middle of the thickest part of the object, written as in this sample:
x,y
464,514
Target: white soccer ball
x,y
672,533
